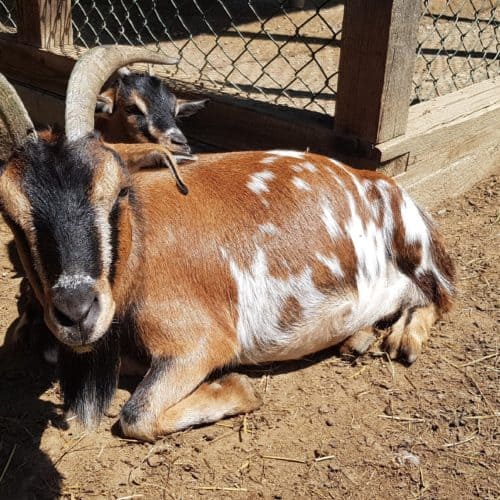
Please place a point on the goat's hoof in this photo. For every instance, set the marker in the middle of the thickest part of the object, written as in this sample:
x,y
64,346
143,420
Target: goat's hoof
x,y
357,344
137,431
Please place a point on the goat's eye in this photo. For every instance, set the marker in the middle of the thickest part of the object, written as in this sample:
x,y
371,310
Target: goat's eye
x,y
133,110
123,192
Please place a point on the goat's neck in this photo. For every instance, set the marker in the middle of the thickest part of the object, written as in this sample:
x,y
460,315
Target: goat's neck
x,y
129,267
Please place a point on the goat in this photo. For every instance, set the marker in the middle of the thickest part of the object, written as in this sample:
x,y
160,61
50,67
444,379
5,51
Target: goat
x,y
131,108
271,256
137,107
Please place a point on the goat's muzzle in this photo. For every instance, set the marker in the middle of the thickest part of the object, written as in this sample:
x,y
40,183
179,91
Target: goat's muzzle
x,y
79,314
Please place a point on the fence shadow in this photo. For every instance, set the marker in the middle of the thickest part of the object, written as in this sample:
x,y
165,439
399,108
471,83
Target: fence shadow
x,y
26,472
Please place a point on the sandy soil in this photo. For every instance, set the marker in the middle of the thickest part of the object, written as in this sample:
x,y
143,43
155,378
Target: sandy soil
x,y
328,428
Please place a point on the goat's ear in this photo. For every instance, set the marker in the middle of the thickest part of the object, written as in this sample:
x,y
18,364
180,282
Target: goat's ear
x,y
147,155
188,108
106,101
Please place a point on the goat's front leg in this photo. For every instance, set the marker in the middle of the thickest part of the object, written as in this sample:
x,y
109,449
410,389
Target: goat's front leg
x,y
167,382
181,363
211,401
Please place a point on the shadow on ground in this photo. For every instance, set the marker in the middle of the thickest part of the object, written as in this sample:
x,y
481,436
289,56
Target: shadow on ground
x,y
25,471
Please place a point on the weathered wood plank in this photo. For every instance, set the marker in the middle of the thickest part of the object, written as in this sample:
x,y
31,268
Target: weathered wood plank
x,y
429,187
44,23
448,122
36,67
376,68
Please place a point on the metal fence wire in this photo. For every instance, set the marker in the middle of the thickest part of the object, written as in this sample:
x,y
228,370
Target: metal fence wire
x,y
263,49
284,51
7,15
459,44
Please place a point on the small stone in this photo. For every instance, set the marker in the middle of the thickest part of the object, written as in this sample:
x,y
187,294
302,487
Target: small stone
x,y
323,409
155,460
329,422
388,411
404,456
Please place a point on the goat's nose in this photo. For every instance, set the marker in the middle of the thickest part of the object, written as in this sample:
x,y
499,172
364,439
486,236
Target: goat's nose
x,y
177,137
73,304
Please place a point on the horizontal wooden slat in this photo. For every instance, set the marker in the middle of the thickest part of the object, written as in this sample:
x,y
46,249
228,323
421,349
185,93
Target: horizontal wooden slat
x,y
448,121
35,67
430,186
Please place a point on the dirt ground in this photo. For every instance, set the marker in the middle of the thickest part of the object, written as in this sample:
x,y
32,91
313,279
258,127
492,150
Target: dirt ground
x,y
328,428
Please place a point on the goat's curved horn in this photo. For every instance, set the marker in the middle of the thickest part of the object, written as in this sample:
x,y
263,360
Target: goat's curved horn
x,y
16,122
88,76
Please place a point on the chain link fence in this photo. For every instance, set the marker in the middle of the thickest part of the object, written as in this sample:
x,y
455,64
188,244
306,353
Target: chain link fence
x,y
280,51
7,15
261,49
459,44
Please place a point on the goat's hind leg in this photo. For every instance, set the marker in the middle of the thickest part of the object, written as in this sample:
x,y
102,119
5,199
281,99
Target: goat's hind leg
x,y
210,402
410,332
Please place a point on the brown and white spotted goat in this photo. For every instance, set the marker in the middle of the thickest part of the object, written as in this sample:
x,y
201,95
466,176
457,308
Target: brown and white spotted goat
x,y
271,256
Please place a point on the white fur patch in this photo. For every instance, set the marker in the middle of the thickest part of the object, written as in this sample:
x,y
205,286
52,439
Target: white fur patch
x,y
261,298
269,159
416,231
258,182
332,263
268,228
310,167
331,224
73,280
301,184
287,153
336,162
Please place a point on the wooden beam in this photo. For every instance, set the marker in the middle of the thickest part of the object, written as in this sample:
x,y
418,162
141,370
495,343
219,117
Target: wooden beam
x,y
429,187
44,23
379,40
448,122
35,67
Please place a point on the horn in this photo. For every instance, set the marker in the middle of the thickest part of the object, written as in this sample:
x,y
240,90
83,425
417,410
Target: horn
x,y
88,76
17,125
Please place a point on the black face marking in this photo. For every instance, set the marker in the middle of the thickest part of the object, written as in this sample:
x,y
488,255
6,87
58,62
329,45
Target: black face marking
x,y
114,219
160,102
56,181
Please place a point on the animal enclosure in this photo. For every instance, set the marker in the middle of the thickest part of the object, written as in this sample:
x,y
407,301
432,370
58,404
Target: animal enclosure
x,y
396,84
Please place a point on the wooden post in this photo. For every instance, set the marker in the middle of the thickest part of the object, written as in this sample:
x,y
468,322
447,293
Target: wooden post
x,y
377,59
44,23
